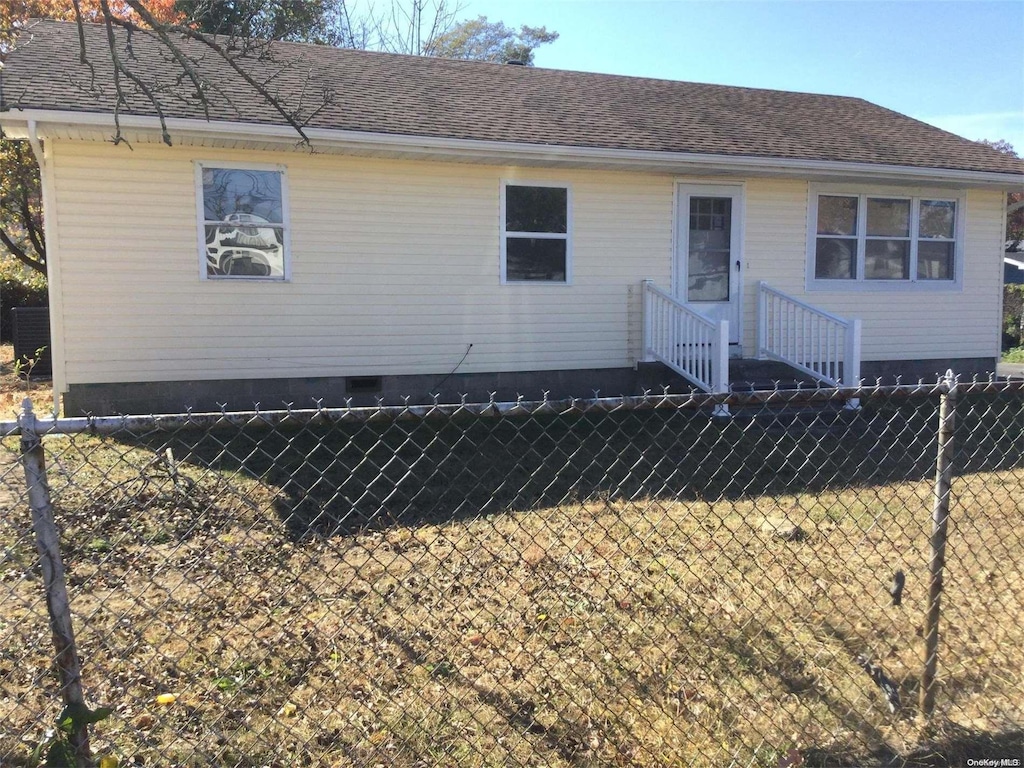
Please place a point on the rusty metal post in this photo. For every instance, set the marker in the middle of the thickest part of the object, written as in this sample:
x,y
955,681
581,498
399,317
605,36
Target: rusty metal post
x,y
58,605
940,519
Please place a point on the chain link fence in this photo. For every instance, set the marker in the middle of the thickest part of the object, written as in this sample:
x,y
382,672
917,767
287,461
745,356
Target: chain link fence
x,y
607,582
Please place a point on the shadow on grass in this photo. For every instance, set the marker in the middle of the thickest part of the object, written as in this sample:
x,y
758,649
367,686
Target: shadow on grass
x,y
944,743
953,747
341,478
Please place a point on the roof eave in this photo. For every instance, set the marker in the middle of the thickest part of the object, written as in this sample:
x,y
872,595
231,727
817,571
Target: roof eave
x,y
48,122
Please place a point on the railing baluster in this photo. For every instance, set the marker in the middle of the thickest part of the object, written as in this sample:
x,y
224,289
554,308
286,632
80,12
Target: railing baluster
x,y
808,338
820,327
818,352
687,356
791,321
777,320
682,339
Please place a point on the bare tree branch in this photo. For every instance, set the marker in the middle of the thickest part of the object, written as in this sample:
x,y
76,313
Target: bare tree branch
x,y
161,31
31,228
20,254
264,92
81,39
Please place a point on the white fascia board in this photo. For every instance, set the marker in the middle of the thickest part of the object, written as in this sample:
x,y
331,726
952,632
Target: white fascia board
x,y
474,150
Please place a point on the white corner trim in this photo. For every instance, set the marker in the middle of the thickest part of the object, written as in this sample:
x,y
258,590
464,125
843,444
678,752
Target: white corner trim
x,y
44,157
506,152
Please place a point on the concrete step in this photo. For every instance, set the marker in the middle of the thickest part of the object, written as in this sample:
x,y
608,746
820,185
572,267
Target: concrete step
x,y
761,375
826,418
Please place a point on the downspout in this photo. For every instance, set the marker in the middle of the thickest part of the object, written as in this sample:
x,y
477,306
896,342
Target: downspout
x,y
37,148
52,281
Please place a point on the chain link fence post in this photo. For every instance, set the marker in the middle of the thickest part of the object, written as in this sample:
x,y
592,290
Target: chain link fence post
x,y
940,520
58,606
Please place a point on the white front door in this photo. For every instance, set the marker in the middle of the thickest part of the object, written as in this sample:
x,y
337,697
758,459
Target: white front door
x,y
709,255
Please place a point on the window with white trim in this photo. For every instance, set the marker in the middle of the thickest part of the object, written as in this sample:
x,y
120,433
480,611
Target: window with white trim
x,y
243,222
535,233
873,238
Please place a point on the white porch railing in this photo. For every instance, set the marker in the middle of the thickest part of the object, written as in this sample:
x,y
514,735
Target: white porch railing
x,y
687,342
816,342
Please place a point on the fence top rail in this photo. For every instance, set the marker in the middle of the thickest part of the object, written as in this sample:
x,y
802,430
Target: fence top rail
x,y
492,409
803,304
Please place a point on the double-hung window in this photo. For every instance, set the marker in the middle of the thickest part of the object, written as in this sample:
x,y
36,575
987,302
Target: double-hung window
x,y
536,240
875,239
243,232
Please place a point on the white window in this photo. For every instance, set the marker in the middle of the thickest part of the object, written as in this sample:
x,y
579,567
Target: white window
x,y
536,239
869,240
243,230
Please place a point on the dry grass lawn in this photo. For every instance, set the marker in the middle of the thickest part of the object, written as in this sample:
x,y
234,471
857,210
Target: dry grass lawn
x,y
663,626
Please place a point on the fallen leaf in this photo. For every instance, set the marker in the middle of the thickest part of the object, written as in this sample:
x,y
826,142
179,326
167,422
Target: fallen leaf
x,y
792,759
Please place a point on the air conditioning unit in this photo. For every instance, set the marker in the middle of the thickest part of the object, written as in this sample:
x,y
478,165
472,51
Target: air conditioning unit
x,y
30,329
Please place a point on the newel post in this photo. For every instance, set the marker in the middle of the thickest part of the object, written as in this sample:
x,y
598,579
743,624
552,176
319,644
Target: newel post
x,y
762,320
720,365
851,360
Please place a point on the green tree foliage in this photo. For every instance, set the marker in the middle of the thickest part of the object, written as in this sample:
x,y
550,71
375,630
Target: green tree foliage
x,y
312,21
1013,317
21,216
1014,203
485,40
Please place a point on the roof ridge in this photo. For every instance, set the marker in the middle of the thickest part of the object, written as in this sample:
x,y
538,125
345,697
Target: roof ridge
x,y
461,100
427,60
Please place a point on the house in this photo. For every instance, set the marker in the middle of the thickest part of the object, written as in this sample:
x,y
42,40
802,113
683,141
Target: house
x,y
473,227
1013,268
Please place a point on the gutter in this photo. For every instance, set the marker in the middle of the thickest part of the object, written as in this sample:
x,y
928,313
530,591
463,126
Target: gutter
x,y
500,152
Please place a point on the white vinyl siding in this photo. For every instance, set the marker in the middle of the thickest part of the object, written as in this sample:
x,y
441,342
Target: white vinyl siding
x,y
393,271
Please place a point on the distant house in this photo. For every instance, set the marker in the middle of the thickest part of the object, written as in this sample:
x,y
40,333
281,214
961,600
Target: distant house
x,y
1013,268
474,227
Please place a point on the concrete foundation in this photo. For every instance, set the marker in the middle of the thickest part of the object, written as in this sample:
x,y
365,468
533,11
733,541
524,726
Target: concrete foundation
x,y
272,394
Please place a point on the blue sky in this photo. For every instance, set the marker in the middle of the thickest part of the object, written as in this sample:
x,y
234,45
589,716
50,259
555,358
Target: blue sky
x,y
958,65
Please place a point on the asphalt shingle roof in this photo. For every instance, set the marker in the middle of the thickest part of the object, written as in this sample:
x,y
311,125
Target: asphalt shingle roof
x,y
419,96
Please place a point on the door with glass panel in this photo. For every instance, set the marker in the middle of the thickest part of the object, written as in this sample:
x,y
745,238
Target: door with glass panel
x,y
708,253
